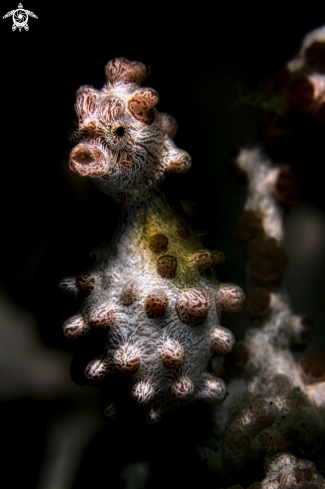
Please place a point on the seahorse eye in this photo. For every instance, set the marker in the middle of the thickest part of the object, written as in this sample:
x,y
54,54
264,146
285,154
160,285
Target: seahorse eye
x,y
119,131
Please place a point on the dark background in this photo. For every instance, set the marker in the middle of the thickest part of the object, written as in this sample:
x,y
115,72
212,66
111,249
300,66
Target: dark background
x,y
50,218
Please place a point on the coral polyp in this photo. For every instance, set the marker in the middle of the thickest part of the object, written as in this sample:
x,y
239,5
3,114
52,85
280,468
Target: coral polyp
x,y
151,300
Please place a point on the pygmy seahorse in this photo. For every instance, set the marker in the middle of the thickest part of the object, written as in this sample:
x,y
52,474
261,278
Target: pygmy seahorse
x,y
152,301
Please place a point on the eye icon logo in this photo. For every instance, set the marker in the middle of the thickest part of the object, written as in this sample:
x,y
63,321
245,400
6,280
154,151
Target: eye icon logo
x,y
20,18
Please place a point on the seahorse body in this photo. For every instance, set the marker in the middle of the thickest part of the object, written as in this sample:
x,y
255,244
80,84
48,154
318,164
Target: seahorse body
x,y
152,299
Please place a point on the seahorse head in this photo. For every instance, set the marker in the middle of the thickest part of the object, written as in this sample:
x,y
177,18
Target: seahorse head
x,y
124,142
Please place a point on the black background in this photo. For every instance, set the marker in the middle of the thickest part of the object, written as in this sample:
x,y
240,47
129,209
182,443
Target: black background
x,y
198,56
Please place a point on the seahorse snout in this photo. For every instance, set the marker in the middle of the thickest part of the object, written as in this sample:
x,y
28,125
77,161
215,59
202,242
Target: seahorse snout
x,y
88,160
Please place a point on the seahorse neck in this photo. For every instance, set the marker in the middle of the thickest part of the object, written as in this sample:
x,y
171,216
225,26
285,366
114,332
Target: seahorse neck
x,y
136,212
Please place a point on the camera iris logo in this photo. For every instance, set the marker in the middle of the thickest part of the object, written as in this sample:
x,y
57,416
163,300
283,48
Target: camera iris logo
x,y
20,18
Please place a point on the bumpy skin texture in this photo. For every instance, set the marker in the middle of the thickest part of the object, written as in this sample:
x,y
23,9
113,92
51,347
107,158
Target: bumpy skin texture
x,y
152,293
287,471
